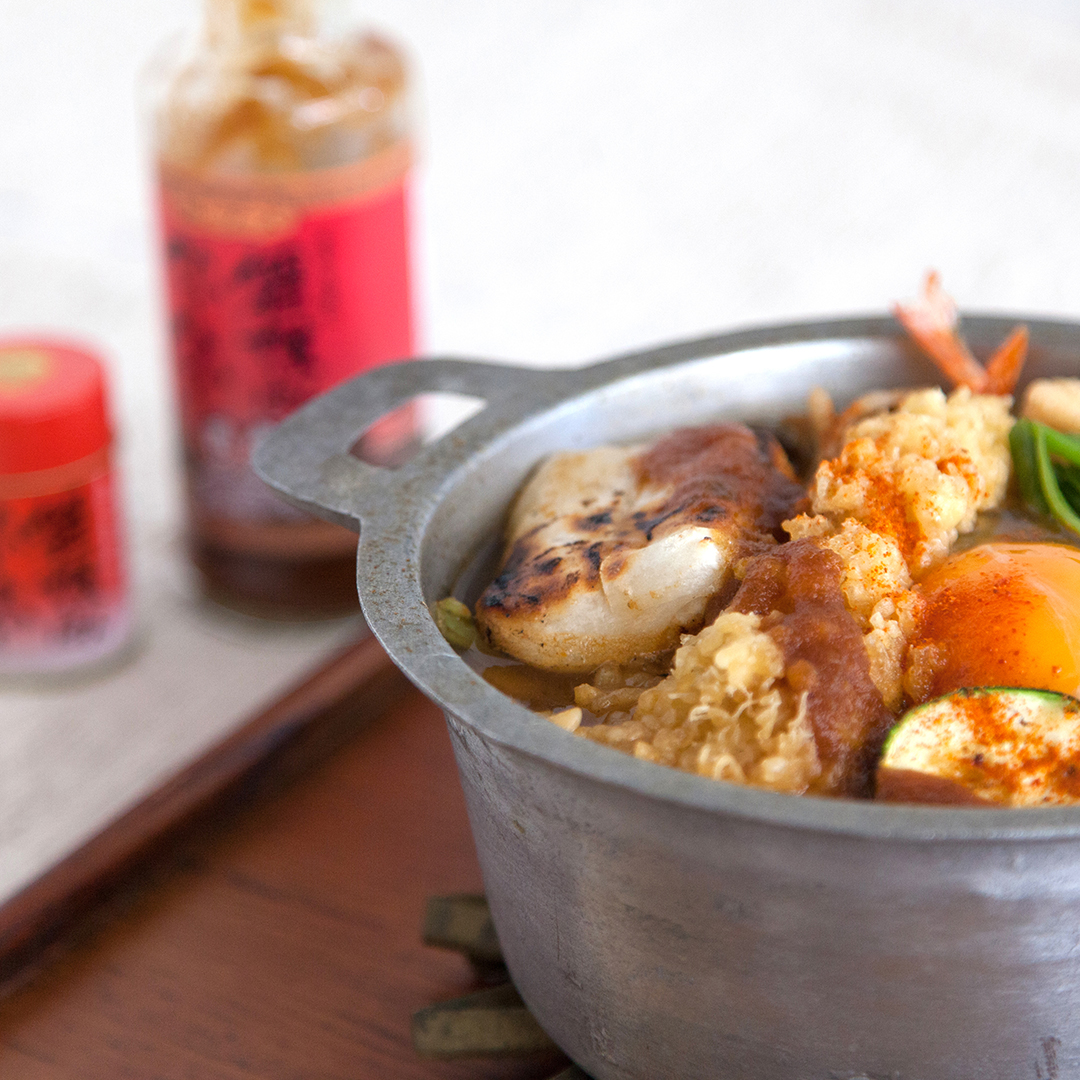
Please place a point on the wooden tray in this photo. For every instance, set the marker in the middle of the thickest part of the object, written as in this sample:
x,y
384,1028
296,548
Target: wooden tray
x,y
259,916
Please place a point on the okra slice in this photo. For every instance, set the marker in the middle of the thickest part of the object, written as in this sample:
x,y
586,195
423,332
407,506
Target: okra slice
x,y
1007,746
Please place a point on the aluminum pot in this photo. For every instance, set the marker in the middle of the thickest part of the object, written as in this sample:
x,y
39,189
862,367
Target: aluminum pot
x,y
659,924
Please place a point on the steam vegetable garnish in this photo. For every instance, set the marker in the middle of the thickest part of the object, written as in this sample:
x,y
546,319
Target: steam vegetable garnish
x,y
1047,465
455,622
1001,746
701,602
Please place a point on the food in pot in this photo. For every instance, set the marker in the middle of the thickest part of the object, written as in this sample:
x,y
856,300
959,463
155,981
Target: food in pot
x,y
933,322
994,746
1001,614
1047,464
615,552
1055,403
455,622
838,602
806,620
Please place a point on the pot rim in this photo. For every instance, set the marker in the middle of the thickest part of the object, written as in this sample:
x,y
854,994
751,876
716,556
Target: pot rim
x,y
395,510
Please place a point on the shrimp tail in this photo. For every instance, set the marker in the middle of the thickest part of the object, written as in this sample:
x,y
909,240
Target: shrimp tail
x,y
933,324
1004,367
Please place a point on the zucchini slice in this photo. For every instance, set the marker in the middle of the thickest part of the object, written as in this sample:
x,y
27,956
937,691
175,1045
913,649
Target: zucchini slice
x,y
1005,746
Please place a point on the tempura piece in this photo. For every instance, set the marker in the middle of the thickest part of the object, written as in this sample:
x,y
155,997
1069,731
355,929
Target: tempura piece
x,y
905,486
917,475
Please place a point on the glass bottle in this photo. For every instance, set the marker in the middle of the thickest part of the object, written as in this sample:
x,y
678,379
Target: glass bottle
x,y
63,581
283,161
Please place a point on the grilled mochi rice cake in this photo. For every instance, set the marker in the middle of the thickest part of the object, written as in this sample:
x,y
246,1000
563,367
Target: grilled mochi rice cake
x,y
613,553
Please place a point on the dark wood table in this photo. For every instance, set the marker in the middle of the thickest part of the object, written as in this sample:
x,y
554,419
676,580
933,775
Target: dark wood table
x,y
260,916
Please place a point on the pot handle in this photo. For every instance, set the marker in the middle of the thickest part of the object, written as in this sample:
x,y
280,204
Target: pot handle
x,y
307,458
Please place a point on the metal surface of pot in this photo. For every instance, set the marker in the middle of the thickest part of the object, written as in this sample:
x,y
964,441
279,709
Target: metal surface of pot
x,y
663,925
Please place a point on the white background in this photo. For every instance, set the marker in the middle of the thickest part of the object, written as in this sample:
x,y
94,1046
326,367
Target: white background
x,y
596,175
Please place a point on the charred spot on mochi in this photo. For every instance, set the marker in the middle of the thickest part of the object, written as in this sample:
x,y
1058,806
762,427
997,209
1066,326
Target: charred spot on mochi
x,y
499,595
595,556
594,521
526,582
647,523
711,513
498,592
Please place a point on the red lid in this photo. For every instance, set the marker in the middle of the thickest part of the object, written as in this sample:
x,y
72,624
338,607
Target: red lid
x,y
52,405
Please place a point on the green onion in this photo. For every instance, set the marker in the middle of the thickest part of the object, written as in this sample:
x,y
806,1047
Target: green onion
x,y
1047,465
1061,445
455,622
1022,445
1069,480
1048,481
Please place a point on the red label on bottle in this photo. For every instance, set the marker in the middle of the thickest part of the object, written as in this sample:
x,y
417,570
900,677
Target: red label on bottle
x,y
61,572
280,286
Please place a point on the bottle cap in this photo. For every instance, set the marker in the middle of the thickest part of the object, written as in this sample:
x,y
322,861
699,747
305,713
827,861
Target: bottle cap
x,y
52,405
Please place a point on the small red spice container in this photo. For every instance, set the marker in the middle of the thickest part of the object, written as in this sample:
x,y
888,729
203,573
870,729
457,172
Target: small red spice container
x,y
63,586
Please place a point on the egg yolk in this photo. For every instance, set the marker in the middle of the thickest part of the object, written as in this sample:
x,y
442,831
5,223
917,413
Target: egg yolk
x,y
1003,614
